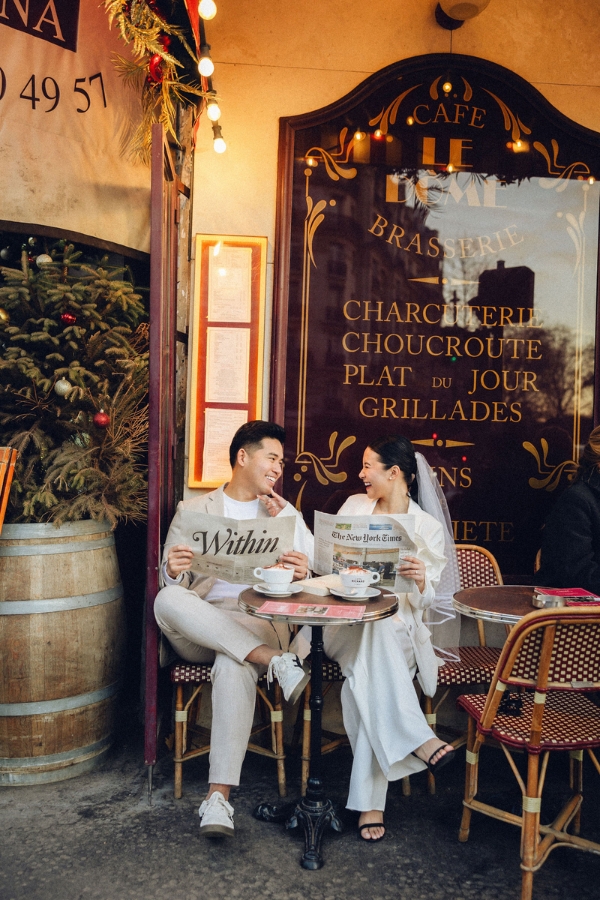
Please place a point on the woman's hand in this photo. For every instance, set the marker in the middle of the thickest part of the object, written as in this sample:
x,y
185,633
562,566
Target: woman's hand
x,y
298,560
413,567
179,559
273,502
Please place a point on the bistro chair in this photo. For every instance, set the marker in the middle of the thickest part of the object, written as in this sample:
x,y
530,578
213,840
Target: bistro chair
x,y
477,567
8,457
192,740
552,657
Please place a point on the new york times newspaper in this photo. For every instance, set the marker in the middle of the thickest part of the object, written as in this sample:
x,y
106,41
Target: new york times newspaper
x,y
378,543
231,549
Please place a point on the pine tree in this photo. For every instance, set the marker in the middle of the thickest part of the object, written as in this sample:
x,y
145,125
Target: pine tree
x,y
73,389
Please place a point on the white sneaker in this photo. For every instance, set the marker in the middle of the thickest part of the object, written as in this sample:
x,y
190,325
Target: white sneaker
x,y
216,816
290,673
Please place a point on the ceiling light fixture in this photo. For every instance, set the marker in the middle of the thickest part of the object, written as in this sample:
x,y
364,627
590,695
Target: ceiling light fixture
x,y
451,14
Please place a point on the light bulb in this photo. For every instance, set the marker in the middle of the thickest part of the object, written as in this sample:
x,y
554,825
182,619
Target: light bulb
x,y
359,135
410,121
449,168
206,66
378,134
207,9
219,145
447,87
213,110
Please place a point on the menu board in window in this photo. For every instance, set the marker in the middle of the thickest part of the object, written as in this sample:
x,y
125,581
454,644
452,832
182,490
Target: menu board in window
x,y
227,350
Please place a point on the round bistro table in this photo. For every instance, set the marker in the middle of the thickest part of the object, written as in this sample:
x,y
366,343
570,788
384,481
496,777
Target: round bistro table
x,y
505,603
314,812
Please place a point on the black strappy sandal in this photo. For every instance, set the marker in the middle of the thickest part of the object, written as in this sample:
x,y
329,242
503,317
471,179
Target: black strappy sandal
x,y
446,758
361,828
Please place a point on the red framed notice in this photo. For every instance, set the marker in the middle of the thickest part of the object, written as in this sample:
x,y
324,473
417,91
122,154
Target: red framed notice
x,y
227,349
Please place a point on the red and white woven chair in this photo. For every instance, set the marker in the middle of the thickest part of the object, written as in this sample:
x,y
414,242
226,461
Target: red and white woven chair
x,y
475,665
552,657
191,740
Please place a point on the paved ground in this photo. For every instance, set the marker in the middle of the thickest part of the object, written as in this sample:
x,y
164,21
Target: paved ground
x,y
95,836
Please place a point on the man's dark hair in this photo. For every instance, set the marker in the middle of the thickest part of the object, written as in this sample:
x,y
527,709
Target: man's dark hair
x,y
252,434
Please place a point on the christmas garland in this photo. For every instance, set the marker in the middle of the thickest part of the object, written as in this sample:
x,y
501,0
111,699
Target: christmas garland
x,y
162,67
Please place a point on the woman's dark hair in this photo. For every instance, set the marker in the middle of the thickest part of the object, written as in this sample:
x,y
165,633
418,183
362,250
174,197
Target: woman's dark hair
x,y
393,450
590,458
252,434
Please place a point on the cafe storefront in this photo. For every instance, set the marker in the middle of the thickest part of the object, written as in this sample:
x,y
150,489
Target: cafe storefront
x,y
419,209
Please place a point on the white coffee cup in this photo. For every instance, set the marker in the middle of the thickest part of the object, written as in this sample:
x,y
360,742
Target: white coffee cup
x,y
356,580
276,577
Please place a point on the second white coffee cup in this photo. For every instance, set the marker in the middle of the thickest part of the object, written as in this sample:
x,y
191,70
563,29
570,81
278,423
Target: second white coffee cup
x,y
356,580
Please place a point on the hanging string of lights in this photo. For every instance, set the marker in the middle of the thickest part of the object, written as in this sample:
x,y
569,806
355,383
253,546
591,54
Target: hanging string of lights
x,y
207,9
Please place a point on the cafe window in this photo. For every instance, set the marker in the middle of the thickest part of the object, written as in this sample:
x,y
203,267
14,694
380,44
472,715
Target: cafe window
x,y
469,322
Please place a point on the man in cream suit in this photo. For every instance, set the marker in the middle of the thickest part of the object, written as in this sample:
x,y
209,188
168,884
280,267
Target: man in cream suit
x,y
201,619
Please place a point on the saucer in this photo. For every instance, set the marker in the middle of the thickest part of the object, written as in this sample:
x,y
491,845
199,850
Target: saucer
x,y
286,590
370,592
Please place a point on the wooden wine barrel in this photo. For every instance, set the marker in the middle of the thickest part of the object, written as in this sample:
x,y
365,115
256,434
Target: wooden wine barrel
x,y
62,637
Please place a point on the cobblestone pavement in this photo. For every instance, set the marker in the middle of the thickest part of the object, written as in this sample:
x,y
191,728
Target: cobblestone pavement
x,y
96,836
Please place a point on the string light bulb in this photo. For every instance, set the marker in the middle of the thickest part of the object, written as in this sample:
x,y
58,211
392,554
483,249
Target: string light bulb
x,y
207,9
213,110
206,66
359,135
447,87
378,134
219,145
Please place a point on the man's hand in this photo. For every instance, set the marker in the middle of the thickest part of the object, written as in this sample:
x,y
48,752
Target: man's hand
x,y
299,561
179,559
273,502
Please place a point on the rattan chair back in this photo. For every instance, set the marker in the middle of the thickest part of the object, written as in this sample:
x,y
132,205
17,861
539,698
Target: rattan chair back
x,y
548,650
477,567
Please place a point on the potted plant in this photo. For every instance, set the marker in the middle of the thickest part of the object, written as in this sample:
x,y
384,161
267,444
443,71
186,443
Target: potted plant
x,y
73,402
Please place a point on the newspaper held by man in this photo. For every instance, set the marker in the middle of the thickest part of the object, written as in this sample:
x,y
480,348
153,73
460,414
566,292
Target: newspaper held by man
x,y
231,549
376,543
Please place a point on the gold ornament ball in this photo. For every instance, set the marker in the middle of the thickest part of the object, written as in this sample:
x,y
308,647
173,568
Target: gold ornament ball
x,y
4,317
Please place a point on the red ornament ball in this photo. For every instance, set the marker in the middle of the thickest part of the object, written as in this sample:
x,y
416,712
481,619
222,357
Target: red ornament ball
x,y
155,72
101,419
68,318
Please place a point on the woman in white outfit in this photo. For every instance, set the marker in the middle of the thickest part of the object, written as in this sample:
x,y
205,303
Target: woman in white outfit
x,y
389,735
